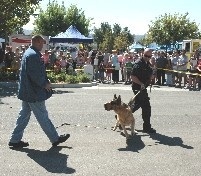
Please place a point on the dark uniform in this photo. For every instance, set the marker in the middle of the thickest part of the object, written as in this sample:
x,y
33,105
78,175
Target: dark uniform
x,y
143,72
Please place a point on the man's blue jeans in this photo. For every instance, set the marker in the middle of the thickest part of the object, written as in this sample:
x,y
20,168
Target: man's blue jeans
x,y
41,114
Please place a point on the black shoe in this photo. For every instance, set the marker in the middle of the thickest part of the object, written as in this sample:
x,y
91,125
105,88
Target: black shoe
x,y
150,130
20,144
61,139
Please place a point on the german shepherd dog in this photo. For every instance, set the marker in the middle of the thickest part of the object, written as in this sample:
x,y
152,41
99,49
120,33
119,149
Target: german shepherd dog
x,y
124,114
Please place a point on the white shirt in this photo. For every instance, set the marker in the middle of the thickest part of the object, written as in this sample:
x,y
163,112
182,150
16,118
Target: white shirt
x,y
193,64
96,61
182,60
174,61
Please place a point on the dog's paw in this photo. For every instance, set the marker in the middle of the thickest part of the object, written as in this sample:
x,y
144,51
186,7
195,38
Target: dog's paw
x,y
114,129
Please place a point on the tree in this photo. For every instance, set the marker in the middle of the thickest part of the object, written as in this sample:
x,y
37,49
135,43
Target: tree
x,y
116,30
112,38
77,18
101,33
130,37
57,18
169,28
20,31
108,41
146,40
14,14
51,21
123,40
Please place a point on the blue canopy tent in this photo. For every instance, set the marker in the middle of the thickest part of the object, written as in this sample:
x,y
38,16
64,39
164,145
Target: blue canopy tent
x,y
136,46
72,35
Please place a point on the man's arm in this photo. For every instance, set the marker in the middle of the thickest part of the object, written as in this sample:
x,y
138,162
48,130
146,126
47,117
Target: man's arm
x,y
137,81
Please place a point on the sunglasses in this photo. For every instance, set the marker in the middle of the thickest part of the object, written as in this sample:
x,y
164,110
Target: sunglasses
x,y
147,56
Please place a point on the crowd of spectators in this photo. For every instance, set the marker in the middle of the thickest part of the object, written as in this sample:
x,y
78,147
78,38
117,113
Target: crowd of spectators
x,y
174,70
177,70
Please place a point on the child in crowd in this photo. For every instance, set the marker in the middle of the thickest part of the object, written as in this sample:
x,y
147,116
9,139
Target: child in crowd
x,y
69,66
101,69
192,78
63,63
57,66
108,71
128,67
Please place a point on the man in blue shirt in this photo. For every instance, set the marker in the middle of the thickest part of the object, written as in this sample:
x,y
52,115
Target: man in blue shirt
x,y
34,89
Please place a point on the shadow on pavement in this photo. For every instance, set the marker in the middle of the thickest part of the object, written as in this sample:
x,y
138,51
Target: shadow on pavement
x,y
170,141
61,91
7,91
134,144
51,160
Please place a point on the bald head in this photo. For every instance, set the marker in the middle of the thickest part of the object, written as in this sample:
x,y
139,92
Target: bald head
x,y
147,54
37,41
148,51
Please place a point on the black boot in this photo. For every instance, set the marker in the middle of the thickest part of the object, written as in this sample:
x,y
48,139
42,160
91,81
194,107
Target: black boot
x,y
147,128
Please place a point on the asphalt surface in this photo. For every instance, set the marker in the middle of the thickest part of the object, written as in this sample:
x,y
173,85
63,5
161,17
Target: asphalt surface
x,y
93,149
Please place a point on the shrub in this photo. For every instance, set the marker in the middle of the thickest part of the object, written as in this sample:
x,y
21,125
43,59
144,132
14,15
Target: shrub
x,y
72,79
52,77
83,78
80,77
8,76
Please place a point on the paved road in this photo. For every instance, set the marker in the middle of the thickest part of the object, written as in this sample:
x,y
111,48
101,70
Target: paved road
x,y
93,148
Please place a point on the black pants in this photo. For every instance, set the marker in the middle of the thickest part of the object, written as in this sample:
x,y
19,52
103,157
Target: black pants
x,y
115,75
160,73
142,101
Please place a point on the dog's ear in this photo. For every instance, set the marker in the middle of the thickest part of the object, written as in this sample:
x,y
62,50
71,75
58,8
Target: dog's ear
x,y
119,99
115,96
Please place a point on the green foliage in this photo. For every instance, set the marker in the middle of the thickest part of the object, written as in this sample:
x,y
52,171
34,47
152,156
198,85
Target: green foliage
x,y
54,78
146,40
112,38
101,35
169,28
51,21
116,30
14,14
61,77
76,17
8,76
108,41
123,40
83,78
72,79
57,18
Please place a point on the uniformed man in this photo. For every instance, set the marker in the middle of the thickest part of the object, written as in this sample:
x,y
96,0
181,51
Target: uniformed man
x,y
141,76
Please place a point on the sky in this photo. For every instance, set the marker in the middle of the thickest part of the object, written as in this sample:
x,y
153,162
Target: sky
x,y
134,14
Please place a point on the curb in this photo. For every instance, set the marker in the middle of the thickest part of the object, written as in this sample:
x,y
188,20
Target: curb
x,y
78,85
9,84
53,85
